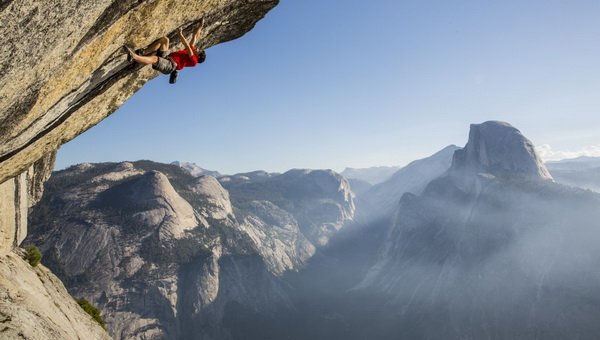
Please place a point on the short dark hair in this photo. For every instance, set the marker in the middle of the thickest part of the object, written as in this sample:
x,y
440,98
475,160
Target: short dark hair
x,y
201,56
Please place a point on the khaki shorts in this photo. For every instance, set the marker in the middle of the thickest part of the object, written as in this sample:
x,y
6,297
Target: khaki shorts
x,y
165,65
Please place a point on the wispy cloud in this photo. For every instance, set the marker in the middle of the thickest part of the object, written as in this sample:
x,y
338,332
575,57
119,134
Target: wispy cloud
x,y
548,154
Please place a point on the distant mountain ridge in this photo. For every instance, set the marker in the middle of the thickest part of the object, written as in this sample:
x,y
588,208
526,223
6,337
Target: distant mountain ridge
x,y
579,163
582,172
195,170
372,175
383,198
318,195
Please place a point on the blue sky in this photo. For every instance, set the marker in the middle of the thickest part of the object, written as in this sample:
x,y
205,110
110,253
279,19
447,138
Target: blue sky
x,y
336,83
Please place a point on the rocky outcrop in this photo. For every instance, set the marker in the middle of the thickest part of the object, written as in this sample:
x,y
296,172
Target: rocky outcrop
x,y
63,68
168,255
217,199
497,148
35,305
322,200
195,170
155,202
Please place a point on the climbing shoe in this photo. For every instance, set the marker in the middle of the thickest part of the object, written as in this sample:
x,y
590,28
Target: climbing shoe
x,y
173,77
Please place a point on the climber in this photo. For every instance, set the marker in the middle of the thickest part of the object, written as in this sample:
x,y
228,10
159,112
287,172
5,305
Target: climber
x,y
155,54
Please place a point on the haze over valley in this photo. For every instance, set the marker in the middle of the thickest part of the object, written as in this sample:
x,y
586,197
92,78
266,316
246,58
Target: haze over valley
x,y
473,242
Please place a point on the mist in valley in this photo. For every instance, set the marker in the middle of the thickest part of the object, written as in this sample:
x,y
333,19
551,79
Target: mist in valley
x,y
479,253
470,243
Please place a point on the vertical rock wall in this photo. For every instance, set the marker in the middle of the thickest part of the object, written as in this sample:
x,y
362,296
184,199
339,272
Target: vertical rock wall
x,y
17,195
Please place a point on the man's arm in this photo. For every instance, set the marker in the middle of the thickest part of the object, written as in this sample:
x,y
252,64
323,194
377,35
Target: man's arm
x,y
186,43
197,32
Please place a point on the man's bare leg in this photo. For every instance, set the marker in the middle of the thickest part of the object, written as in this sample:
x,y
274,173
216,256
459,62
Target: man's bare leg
x,y
145,60
161,44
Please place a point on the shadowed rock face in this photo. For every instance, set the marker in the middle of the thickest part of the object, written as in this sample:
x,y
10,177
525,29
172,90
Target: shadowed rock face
x,y
489,258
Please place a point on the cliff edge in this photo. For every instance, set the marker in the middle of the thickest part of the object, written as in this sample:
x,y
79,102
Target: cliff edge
x,y
63,70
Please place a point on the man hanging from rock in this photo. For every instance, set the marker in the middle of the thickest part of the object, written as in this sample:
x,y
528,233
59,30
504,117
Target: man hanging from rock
x,y
155,54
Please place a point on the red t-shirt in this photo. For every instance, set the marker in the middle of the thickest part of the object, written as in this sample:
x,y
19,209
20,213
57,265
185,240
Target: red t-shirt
x,y
183,59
